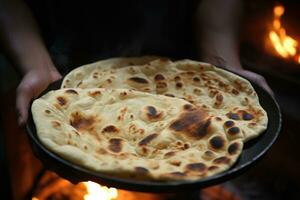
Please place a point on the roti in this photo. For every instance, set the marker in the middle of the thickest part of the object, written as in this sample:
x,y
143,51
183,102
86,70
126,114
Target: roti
x,y
132,134
218,92
111,63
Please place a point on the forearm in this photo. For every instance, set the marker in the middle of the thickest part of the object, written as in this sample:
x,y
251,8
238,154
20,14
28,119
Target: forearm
x,y
220,50
21,38
217,32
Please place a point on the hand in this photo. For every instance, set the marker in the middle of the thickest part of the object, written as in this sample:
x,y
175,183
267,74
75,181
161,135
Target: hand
x,y
234,65
256,78
32,84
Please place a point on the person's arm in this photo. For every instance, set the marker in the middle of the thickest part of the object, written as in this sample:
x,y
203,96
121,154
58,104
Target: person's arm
x,y
217,33
25,49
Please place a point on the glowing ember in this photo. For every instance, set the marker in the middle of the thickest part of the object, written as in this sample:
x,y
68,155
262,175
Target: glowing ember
x,y
298,59
96,192
285,45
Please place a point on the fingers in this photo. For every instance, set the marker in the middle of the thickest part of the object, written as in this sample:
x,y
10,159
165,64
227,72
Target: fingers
x,y
55,75
24,96
32,84
260,80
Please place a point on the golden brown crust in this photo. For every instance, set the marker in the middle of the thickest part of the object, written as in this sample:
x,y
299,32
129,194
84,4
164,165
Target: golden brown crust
x,y
161,141
215,90
194,124
146,137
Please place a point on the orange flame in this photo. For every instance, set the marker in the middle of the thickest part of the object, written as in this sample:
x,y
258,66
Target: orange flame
x,y
96,192
284,45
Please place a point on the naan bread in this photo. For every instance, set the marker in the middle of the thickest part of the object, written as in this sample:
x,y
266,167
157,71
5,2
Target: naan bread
x,y
111,63
126,133
218,92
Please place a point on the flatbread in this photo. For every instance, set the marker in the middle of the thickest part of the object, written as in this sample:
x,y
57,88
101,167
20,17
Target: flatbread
x,y
219,92
131,134
111,63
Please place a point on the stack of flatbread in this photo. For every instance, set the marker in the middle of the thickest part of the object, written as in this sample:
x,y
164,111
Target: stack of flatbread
x,y
150,118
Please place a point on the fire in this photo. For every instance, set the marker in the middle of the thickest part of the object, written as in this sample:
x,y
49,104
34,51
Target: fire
x,y
285,45
96,192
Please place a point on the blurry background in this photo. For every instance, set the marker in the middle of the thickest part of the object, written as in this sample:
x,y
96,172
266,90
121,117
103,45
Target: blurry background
x,y
270,45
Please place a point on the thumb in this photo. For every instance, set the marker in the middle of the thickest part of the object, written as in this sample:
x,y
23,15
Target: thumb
x,y
24,96
260,80
256,78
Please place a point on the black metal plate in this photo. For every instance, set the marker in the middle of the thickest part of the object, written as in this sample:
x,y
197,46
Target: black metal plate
x,y
252,152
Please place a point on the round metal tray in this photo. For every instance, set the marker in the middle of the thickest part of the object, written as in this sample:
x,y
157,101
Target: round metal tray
x,y
252,152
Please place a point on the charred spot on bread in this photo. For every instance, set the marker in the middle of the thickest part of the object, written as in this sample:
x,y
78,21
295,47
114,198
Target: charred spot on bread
x,y
138,80
196,167
233,116
229,124
148,139
159,77
222,160
110,129
71,91
194,124
115,145
233,130
217,142
81,122
233,148
61,100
